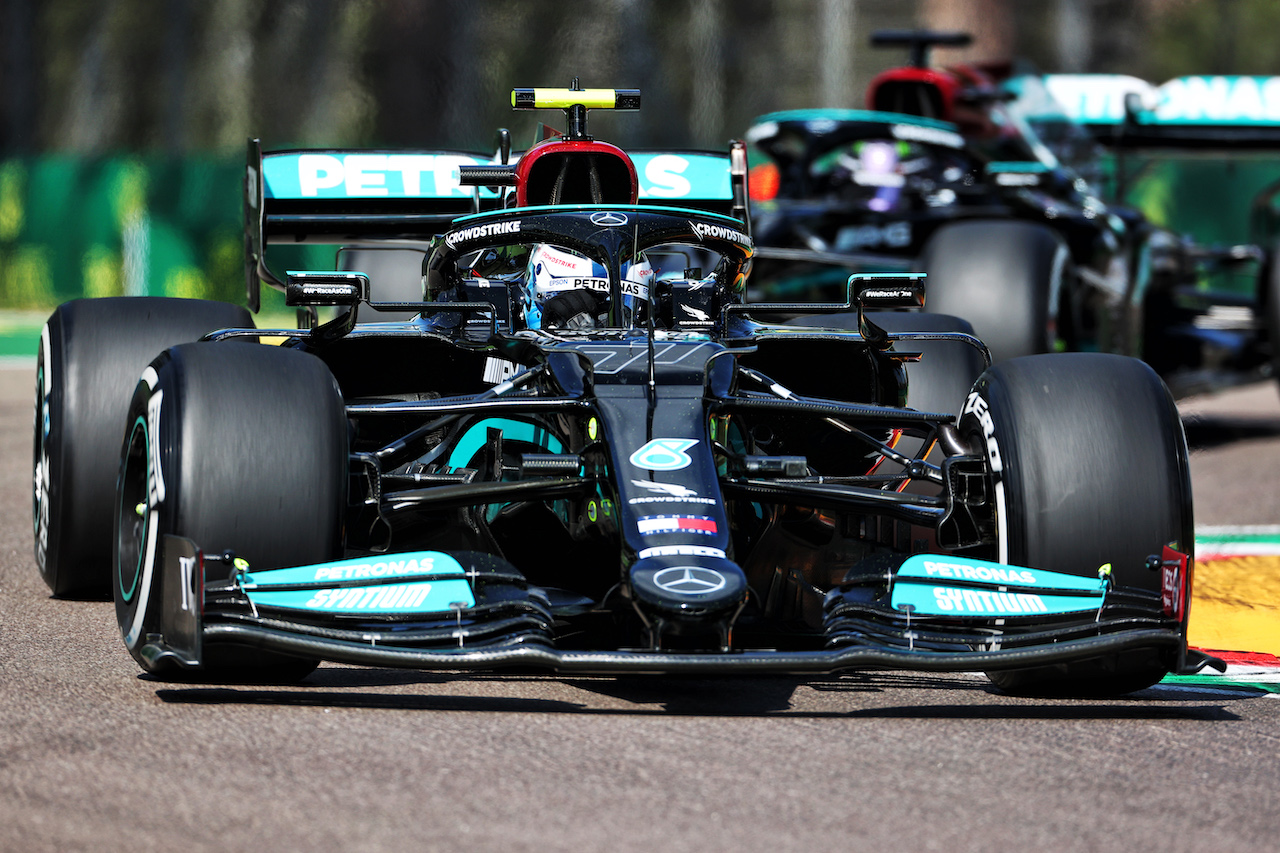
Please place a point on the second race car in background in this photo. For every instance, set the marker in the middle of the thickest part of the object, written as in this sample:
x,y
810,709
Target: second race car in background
x,y
1201,157
978,175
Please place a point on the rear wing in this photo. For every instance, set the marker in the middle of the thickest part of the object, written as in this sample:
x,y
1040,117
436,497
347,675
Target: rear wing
x,y
341,196
348,196
1196,112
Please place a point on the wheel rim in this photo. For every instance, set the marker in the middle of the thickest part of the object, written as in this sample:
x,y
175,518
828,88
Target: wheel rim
x,y
40,429
41,475
133,515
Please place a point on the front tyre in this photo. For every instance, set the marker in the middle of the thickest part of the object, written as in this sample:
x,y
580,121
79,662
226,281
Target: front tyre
x,y
240,448
1090,467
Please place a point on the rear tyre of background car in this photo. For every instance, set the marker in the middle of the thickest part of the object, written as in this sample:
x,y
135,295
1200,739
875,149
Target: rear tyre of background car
x,y
941,379
237,448
1271,307
1091,459
1004,277
91,353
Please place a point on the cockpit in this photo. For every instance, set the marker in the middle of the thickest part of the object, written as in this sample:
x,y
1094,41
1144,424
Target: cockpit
x,y
593,267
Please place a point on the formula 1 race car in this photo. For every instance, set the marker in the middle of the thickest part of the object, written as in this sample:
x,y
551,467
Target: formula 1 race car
x,y
976,174
586,453
940,173
1203,155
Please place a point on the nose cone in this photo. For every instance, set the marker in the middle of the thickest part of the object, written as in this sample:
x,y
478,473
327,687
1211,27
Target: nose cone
x,y
688,587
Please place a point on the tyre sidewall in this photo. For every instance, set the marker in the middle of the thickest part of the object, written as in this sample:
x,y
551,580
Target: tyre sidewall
x,y
49,460
1089,463
138,584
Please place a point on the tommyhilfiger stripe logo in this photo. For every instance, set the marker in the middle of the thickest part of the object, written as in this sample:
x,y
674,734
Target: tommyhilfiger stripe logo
x,y
677,524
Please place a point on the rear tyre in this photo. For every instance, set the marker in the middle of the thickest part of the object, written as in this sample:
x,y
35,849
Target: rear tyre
x,y
941,379
1271,308
240,448
1004,277
1091,460
91,353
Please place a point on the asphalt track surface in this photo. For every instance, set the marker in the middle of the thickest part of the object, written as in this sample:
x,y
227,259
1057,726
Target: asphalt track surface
x,y
95,756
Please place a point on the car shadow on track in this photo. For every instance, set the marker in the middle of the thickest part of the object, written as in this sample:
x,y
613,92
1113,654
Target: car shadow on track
x,y
928,697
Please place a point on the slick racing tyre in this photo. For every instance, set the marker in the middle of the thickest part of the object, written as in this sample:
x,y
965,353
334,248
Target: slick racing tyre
x,y
237,448
1004,277
1090,467
91,354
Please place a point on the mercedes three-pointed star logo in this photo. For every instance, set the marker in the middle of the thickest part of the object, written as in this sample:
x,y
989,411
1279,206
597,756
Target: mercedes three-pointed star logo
x,y
609,219
689,580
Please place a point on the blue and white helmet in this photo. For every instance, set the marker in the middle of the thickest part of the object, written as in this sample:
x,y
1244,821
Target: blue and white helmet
x,y
555,272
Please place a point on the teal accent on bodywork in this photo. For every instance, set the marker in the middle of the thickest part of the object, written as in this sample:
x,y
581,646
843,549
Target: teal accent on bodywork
x,y
940,567
417,582
434,174
346,273
383,599
367,174
1218,100
477,434
1018,166
936,585
855,115
392,566
683,174
1205,100
419,597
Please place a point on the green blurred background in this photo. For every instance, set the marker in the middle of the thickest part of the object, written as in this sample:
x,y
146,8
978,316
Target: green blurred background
x,y
122,122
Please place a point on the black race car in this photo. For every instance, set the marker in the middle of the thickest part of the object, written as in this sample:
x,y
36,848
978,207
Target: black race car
x,y
975,174
587,453
940,174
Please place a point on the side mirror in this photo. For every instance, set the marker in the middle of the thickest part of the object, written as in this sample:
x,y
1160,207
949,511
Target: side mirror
x,y
880,290
1017,173
884,290
326,288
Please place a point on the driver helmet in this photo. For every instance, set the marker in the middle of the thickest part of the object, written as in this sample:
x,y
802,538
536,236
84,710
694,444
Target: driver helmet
x,y
566,290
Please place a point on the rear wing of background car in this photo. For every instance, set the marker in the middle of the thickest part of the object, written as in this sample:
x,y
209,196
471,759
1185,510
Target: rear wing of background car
x,y
347,196
1226,112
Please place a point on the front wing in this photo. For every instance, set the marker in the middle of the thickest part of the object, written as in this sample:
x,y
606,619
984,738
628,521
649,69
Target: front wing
x,y
516,631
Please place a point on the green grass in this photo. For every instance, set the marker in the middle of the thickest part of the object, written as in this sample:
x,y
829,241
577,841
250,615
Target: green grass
x,y
20,334
20,331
